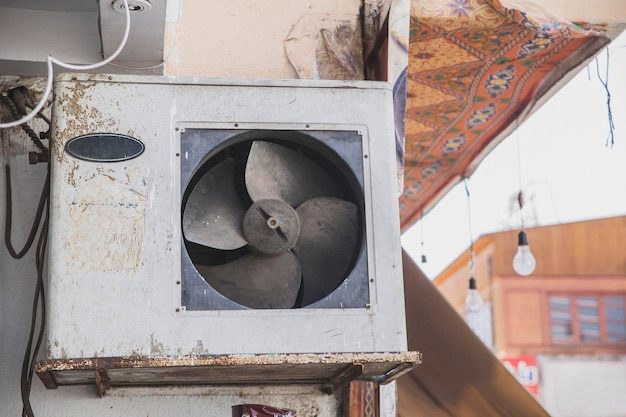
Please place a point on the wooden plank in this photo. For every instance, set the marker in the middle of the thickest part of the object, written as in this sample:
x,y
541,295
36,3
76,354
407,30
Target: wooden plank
x,y
331,371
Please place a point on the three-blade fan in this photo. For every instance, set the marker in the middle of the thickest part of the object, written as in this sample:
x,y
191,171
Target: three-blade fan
x,y
300,231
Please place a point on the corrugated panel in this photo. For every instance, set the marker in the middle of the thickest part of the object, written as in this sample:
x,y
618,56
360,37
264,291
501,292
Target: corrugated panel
x,y
460,376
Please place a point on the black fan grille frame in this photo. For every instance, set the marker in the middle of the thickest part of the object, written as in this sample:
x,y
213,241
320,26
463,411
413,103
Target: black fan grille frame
x,y
343,150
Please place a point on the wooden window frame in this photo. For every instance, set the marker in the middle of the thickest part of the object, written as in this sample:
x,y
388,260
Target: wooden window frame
x,y
576,335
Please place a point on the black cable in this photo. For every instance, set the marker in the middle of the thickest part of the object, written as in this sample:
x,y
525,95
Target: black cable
x,y
31,353
27,129
39,305
40,114
39,301
9,216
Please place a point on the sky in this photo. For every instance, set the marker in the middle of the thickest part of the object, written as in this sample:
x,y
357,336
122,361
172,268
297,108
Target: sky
x,y
560,157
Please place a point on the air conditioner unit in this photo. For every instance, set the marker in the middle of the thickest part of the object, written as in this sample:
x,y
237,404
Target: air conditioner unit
x,y
217,222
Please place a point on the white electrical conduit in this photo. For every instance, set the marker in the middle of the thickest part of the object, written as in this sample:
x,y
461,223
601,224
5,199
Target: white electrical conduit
x,y
51,60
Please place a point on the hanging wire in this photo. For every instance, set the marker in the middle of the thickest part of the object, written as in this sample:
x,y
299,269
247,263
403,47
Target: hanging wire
x,y
520,195
39,306
424,260
38,314
50,63
6,100
610,138
43,199
472,265
8,213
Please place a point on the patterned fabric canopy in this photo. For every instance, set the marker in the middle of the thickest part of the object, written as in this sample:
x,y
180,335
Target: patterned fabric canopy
x,y
474,68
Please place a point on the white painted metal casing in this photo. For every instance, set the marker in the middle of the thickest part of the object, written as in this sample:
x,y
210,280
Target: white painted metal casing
x,y
115,229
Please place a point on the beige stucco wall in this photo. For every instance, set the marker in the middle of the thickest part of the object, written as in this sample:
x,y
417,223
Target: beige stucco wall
x,y
606,16
587,10
239,38
245,38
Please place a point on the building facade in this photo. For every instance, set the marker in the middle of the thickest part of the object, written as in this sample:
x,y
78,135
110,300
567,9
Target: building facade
x,y
562,329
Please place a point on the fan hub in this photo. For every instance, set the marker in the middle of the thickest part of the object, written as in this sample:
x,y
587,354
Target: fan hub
x,y
271,226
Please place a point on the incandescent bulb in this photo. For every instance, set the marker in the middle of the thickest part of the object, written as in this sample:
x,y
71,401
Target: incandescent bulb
x,y
524,261
473,301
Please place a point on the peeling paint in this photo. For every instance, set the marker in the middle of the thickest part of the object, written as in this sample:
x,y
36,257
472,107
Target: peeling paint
x,y
156,348
199,349
71,173
82,115
106,226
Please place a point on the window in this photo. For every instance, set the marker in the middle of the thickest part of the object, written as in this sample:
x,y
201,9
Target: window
x,y
587,319
615,319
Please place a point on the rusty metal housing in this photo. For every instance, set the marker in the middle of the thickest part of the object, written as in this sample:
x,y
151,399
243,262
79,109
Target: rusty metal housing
x,y
115,273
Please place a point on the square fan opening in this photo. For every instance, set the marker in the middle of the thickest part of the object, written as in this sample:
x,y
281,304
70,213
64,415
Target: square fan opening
x,y
273,219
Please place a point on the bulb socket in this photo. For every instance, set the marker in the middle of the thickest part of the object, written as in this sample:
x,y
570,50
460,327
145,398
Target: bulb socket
x,y
522,239
472,283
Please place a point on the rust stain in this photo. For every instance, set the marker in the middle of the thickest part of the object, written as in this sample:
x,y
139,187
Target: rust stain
x,y
80,116
70,178
234,360
323,369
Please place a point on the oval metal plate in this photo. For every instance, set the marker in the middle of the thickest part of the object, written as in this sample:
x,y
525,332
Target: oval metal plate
x,y
104,147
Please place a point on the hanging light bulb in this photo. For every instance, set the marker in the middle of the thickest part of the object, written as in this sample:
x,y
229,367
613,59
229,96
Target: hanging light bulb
x,y
524,261
473,301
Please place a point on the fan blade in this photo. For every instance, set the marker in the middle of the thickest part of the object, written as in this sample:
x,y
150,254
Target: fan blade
x,y
257,281
278,172
213,214
328,238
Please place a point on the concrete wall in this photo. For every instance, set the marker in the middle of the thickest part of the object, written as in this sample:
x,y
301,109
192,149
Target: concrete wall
x,y
583,386
242,38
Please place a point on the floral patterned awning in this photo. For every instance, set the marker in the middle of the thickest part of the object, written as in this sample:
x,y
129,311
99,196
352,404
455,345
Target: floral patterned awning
x,y
474,68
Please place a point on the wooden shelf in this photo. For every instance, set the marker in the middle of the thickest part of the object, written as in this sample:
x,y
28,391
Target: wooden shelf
x,y
330,371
